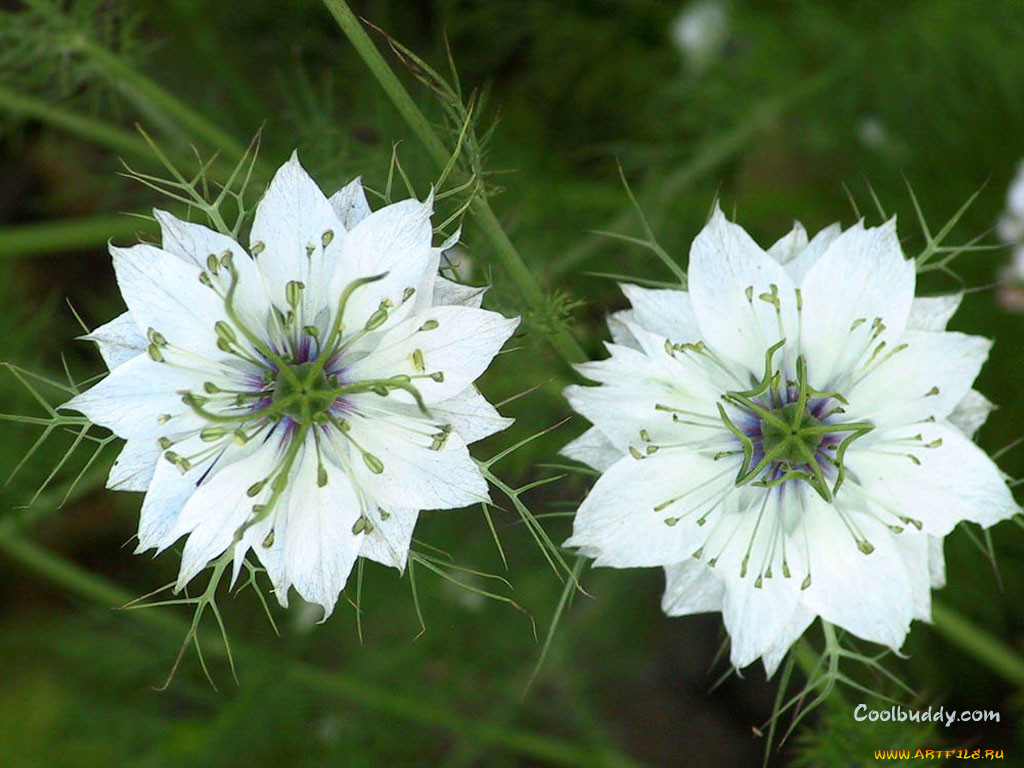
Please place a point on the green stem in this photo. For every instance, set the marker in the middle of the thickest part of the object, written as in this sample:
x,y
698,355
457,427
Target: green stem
x,y
50,237
506,252
546,750
85,127
977,643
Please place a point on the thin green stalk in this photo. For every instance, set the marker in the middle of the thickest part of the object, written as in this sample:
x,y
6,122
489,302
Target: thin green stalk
x,y
977,643
85,127
50,237
547,750
505,251
719,150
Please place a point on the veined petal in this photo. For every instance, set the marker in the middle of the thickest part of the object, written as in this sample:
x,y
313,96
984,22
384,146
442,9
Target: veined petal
x,y
412,472
471,415
171,488
622,522
936,562
394,241
914,548
220,506
929,376
456,342
932,313
451,293
389,541
691,587
163,292
194,244
792,631
619,324
349,203
166,497
742,298
593,449
301,238
667,313
790,245
320,543
131,400
951,479
869,595
118,341
861,276
134,467
798,263
971,412
762,621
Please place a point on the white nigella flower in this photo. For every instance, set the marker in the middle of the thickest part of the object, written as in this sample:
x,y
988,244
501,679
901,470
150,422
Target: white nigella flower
x,y
304,398
700,31
1011,232
790,438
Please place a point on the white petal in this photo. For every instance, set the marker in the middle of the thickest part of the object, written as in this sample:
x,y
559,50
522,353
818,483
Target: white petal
x,y
220,506
449,292
460,347
394,241
389,541
133,397
593,449
320,547
800,263
664,312
292,222
971,412
913,547
134,467
691,587
167,494
195,243
414,475
350,204
952,481
789,634
119,340
471,415
761,621
866,594
618,325
638,389
760,606
163,292
861,276
936,562
932,313
618,523
727,267
927,378
790,245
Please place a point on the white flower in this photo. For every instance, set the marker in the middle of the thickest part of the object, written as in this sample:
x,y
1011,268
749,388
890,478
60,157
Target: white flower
x,y
1011,231
789,438
1011,223
305,398
700,31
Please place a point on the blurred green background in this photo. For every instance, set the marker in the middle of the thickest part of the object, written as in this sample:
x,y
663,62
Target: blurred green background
x,y
786,110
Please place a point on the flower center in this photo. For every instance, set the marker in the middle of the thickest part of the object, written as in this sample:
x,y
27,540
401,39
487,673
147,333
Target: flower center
x,y
788,430
307,395
791,433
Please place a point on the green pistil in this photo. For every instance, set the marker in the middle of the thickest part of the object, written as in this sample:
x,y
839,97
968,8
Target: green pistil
x,y
795,438
790,434
313,393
